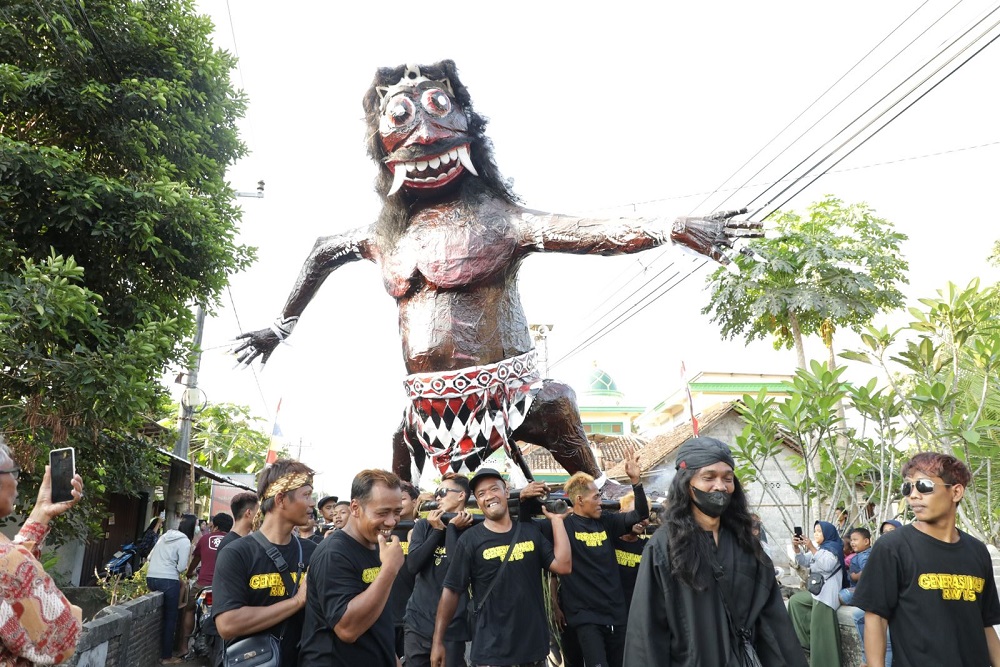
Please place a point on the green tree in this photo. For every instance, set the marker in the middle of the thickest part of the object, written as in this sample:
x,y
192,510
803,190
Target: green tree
x,y
838,267
117,123
855,467
945,371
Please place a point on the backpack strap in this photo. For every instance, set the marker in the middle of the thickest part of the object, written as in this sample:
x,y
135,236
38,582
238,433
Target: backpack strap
x,y
282,565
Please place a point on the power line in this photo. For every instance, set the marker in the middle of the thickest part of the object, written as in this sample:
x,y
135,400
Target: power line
x,y
904,109
847,97
253,370
236,48
619,319
881,114
620,322
617,291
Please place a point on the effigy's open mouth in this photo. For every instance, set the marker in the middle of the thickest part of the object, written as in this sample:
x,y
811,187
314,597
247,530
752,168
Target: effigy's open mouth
x,y
431,171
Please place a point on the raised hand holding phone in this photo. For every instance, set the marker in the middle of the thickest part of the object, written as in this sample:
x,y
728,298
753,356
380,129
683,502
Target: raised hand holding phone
x,y
62,464
46,508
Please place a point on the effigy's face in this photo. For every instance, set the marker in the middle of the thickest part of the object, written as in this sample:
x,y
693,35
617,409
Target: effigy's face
x,y
425,134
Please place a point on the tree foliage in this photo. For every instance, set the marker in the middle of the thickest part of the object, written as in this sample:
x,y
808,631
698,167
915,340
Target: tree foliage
x,y
117,123
856,468
944,366
838,267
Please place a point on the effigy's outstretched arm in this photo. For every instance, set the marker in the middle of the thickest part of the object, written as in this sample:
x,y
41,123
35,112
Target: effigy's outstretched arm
x,y
712,236
328,254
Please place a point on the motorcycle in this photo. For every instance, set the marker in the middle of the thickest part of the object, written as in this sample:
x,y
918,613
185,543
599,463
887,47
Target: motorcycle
x,y
122,563
205,634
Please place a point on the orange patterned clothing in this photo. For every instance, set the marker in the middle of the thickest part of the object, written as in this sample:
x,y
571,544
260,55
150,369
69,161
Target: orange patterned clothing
x,y
36,624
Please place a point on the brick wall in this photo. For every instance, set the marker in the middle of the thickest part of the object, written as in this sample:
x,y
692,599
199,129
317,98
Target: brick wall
x,y
126,635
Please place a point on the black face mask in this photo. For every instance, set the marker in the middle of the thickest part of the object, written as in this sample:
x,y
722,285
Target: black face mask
x,y
712,503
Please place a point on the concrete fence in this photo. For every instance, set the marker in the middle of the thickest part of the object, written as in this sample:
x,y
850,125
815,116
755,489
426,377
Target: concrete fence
x,y
126,635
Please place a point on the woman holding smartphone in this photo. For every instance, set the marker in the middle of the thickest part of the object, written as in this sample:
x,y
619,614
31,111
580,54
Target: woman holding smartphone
x,y
25,588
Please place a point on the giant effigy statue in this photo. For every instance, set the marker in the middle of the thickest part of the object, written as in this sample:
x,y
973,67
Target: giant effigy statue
x,y
449,241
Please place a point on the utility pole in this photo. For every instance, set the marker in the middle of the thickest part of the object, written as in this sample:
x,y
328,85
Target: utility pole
x,y
540,334
180,487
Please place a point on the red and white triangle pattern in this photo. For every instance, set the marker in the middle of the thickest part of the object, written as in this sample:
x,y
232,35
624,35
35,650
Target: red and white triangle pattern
x,y
460,417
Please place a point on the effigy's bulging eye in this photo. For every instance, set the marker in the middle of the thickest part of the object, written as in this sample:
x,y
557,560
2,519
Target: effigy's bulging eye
x,y
436,101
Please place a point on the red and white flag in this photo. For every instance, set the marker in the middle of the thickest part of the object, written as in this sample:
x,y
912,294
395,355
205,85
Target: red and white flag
x,y
687,390
276,438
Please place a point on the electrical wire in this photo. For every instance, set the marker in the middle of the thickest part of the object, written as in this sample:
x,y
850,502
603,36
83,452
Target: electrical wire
x,y
816,101
901,111
595,320
655,297
625,316
253,370
880,115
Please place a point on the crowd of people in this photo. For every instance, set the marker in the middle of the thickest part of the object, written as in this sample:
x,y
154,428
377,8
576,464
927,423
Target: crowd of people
x,y
373,581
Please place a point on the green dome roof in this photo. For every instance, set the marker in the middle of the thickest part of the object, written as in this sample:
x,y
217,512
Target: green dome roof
x,y
601,383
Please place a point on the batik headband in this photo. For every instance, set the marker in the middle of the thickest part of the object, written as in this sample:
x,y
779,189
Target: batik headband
x,y
285,483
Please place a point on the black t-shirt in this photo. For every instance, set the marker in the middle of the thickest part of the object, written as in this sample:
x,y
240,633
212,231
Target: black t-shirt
x,y
342,569
937,596
227,539
592,593
245,576
402,585
428,559
512,627
629,555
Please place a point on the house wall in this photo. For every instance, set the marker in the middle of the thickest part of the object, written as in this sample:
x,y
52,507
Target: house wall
x,y
127,635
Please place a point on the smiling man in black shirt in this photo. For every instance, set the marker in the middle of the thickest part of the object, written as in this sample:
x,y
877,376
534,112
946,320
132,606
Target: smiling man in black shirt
x,y
348,621
510,622
591,599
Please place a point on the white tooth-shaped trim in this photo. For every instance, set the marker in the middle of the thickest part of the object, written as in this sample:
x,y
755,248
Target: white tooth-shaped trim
x,y
411,166
463,157
446,158
421,166
453,153
434,162
398,176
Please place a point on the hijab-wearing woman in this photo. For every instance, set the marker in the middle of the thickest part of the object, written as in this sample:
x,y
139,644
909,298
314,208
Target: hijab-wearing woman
x,y
814,617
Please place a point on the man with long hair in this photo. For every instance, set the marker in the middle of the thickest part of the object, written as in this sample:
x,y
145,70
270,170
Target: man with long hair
x,y
251,595
928,582
706,593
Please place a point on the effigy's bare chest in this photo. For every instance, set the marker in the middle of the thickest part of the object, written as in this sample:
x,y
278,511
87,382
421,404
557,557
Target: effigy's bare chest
x,y
450,247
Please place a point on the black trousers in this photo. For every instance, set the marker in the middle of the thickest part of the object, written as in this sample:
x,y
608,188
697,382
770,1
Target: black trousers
x,y
418,651
601,645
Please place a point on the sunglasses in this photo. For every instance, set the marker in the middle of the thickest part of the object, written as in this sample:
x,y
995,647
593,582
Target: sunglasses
x,y
13,472
923,486
441,493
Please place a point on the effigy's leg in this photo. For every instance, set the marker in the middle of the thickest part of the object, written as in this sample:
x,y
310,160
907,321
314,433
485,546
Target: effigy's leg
x,y
402,463
553,422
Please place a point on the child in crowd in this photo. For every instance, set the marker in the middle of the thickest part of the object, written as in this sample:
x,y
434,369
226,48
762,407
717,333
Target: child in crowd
x,y
861,544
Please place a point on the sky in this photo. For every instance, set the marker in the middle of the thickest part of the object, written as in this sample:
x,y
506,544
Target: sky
x,y
645,109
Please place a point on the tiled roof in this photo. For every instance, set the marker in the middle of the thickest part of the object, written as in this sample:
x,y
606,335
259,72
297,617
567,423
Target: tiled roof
x,y
611,447
665,444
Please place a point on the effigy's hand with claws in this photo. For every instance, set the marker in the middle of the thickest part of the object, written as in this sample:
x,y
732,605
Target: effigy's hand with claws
x,y
261,343
714,235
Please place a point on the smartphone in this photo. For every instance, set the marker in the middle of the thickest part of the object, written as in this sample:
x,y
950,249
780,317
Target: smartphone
x,y
62,468
798,531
